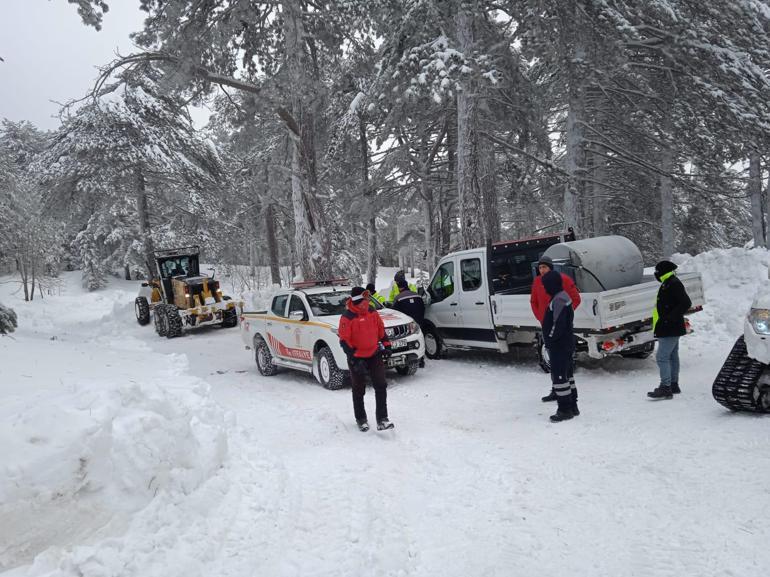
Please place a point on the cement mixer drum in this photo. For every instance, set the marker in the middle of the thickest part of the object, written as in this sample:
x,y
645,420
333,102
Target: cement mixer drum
x,y
599,263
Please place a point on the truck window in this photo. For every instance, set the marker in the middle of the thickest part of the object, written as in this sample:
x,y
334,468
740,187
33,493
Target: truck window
x,y
326,304
443,284
279,305
470,273
295,304
512,272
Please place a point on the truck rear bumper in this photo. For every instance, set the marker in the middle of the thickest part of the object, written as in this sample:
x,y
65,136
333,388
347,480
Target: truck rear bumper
x,y
599,346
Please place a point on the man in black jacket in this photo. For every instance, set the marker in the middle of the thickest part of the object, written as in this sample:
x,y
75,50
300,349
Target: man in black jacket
x,y
409,302
558,334
668,325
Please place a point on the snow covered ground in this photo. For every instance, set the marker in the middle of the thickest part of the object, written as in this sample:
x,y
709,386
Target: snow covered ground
x,y
125,454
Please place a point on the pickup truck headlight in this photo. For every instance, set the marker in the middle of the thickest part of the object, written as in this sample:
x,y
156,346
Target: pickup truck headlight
x,y
414,328
760,321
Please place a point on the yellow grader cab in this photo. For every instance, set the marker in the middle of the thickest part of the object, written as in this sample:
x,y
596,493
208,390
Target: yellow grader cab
x,y
181,298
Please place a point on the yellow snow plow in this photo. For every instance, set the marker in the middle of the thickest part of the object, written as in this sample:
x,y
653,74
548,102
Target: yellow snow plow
x,y
181,298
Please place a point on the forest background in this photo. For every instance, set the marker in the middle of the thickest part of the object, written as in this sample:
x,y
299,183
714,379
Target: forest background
x,y
351,134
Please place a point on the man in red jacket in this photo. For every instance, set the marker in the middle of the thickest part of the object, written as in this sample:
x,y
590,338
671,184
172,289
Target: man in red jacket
x,y
362,337
539,299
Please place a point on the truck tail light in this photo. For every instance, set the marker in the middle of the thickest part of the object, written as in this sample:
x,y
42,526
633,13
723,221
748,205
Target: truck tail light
x,y
613,345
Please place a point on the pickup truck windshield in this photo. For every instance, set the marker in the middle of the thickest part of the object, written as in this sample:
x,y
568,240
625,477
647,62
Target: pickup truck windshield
x,y
327,304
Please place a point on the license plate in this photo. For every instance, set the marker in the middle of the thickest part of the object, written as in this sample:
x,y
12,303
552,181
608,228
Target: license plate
x,y
399,344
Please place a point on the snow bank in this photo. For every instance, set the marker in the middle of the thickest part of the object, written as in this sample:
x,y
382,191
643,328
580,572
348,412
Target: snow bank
x,y
89,456
95,425
731,278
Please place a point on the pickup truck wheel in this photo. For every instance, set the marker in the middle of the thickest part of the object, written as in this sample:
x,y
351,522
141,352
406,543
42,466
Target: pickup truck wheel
x,y
434,348
142,310
159,315
329,374
408,370
264,359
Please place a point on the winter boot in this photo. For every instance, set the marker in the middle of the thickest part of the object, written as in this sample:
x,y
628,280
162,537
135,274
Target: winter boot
x,y
575,410
661,392
550,397
675,388
564,412
363,426
384,424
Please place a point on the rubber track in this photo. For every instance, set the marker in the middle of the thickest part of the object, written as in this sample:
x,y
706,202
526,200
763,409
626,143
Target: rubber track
x,y
734,385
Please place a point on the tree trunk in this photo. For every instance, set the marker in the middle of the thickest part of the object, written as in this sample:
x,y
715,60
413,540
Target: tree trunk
x,y
312,239
272,244
448,193
23,274
475,156
143,212
32,292
667,202
599,197
427,217
755,193
488,191
426,192
573,162
469,226
368,194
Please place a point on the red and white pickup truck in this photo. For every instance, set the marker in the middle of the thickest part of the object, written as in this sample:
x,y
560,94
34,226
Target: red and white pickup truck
x,y
300,332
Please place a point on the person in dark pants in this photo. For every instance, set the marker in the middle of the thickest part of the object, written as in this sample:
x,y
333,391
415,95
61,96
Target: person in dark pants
x,y
668,326
362,337
539,299
559,339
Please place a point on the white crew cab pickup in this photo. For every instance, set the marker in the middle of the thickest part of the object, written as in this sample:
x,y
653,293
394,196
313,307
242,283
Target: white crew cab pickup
x,y
300,332
480,298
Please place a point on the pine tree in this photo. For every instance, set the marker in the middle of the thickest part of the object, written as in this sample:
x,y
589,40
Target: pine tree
x,y
132,162
8,320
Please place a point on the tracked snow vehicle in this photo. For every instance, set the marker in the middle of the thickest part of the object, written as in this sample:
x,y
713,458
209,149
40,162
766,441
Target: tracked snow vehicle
x,y
181,298
743,383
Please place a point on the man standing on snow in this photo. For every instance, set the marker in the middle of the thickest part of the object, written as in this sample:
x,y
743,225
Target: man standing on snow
x,y
362,337
539,300
560,341
668,325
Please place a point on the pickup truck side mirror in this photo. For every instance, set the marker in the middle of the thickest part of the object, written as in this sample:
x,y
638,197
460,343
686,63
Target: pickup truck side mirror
x,y
297,316
421,291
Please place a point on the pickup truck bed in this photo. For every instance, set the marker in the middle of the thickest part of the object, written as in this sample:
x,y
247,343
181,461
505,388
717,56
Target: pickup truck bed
x,y
598,312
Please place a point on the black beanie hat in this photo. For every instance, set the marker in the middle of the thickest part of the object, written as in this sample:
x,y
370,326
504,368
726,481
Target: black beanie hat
x,y
357,293
370,288
664,267
552,282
